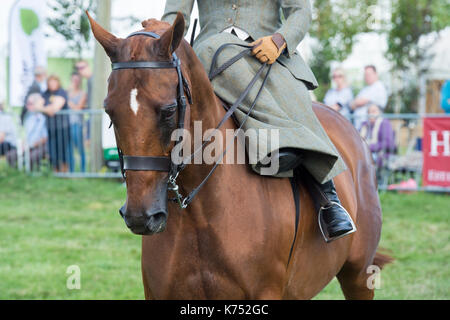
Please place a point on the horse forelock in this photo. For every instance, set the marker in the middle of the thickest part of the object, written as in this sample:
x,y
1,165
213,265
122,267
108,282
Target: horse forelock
x,y
154,24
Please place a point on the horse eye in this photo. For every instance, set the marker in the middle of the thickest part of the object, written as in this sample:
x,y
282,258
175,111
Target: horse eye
x,y
167,114
168,109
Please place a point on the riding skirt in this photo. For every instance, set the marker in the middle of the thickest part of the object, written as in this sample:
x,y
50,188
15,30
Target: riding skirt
x,y
284,104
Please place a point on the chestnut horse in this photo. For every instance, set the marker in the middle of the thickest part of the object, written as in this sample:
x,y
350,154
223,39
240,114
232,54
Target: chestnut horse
x,y
233,241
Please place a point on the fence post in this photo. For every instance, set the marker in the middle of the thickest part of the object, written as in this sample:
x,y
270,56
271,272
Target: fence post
x,y
99,88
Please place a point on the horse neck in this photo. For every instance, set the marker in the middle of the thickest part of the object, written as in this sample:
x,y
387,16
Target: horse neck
x,y
206,106
207,109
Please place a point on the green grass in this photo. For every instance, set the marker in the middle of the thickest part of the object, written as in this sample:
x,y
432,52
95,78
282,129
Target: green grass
x,y
416,230
48,224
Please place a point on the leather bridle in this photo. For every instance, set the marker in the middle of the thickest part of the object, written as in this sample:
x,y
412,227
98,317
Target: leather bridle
x,y
150,163
165,164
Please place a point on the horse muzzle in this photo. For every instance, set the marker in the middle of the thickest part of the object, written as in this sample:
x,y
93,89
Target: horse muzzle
x,y
150,220
147,223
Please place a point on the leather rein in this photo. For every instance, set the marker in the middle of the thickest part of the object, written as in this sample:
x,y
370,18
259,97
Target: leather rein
x,y
165,164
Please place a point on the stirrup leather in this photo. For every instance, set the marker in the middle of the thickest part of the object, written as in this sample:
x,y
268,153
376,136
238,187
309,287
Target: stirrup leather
x,y
322,224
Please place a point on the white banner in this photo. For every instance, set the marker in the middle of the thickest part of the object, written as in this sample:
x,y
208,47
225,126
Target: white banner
x,y
27,49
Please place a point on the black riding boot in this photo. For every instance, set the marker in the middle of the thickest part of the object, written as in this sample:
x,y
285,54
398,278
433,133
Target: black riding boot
x,y
334,220
288,159
333,217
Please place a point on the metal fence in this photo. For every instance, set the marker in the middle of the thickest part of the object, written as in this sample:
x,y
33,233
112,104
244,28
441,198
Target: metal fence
x,y
65,146
71,144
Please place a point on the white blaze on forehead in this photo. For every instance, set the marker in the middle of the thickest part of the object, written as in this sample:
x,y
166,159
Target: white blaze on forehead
x,y
134,104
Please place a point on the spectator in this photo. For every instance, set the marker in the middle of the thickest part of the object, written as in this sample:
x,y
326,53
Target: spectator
x,y
58,125
445,96
339,97
8,137
35,129
379,135
77,102
39,86
85,71
374,93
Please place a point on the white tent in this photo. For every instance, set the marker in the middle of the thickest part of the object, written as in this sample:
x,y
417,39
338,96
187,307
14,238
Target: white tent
x,y
440,64
438,67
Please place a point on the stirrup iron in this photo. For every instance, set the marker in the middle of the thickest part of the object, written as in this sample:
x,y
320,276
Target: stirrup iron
x,y
322,224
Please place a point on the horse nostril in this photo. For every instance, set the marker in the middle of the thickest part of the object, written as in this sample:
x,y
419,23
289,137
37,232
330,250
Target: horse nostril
x,y
122,211
157,222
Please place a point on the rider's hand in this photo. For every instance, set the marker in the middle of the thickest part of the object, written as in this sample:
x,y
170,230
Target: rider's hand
x,y
268,49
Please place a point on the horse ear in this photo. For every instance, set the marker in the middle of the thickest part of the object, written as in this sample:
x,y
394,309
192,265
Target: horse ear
x,y
171,39
108,41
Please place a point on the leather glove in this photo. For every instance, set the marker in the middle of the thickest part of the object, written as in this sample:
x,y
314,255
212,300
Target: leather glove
x,y
269,48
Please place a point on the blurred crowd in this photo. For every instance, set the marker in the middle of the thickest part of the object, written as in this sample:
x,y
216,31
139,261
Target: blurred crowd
x,y
365,111
51,131
56,130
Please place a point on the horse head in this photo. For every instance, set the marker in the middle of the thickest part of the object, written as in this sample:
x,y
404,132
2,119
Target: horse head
x,y
142,105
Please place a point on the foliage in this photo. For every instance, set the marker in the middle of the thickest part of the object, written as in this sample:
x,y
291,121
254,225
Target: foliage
x,y
335,27
414,27
410,21
405,98
70,21
29,21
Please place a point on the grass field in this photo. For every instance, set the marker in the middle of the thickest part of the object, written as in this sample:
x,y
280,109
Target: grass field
x,y
48,224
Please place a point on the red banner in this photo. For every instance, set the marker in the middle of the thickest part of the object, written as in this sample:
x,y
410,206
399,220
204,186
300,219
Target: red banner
x,y
436,152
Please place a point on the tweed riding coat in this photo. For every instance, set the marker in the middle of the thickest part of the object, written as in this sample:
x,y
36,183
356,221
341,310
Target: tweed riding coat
x,y
284,103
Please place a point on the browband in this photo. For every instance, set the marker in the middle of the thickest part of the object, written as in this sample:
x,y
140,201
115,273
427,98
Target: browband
x,y
146,64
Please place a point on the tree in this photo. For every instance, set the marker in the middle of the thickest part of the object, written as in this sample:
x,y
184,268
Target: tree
x,y
70,21
336,23
410,21
414,27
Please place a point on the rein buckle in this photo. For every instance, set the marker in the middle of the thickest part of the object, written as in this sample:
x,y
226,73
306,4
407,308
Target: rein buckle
x,y
178,196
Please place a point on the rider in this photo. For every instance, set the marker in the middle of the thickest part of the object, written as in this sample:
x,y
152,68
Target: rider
x,y
284,104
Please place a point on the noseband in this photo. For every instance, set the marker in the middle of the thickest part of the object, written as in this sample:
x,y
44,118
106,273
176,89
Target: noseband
x,y
165,164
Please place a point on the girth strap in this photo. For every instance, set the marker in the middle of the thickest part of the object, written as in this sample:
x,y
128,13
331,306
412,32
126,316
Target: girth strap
x,y
294,184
